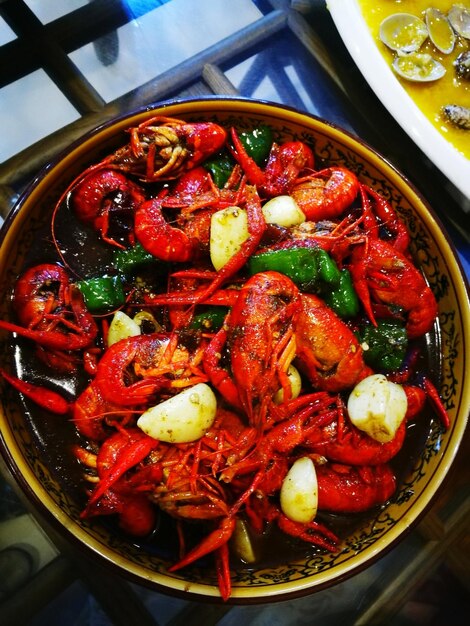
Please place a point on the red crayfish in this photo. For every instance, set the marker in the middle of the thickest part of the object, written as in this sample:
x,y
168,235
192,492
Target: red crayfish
x,y
53,315
384,276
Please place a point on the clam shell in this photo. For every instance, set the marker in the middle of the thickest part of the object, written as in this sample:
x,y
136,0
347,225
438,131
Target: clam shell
x,y
462,65
403,32
418,67
459,18
458,115
440,30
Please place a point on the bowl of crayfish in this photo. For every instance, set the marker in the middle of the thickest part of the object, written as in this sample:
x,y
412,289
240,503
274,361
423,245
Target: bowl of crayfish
x,y
233,350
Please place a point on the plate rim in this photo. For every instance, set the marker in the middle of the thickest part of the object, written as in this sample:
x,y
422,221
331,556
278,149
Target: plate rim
x,y
358,40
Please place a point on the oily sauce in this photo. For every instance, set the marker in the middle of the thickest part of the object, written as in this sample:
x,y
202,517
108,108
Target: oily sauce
x,y
430,97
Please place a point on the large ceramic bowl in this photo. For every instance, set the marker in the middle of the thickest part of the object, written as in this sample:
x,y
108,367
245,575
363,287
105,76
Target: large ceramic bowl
x,y
37,458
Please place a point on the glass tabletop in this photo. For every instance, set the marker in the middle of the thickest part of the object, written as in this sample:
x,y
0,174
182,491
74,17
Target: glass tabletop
x,y
67,67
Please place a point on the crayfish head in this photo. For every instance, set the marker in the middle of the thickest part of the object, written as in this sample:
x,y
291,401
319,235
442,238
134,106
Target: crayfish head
x,y
163,148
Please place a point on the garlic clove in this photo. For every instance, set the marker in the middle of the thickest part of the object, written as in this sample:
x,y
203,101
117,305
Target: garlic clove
x,y
283,211
182,418
121,327
229,229
299,491
377,406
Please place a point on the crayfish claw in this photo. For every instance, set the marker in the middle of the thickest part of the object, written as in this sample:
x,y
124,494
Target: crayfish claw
x,y
214,541
223,572
313,532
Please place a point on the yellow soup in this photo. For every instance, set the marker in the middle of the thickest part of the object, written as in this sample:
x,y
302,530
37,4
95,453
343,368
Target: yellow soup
x,y
429,96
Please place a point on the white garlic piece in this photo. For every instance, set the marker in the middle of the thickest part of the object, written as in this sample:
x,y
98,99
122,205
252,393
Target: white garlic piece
x,y
182,418
295,382
299,491
241,542
229,229
283,211
377,407
121,327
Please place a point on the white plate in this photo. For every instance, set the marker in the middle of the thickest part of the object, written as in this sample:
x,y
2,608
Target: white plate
x,y
356,36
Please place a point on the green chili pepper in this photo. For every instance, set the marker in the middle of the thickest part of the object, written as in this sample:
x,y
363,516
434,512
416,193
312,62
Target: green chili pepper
x,y
131,260
386,344
298,264
211,319
258,143
328,271
102,294
220,169
343,298
312,269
